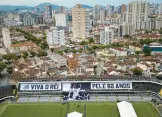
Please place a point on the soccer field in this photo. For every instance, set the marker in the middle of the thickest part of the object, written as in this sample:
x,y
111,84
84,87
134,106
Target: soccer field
x,y
59,110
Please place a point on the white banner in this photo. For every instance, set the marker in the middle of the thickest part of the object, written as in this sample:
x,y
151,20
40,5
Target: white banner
x,y
111,85
40,86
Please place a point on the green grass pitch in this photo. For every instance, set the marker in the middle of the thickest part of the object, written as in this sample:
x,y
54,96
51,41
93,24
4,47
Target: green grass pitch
x,y
59,110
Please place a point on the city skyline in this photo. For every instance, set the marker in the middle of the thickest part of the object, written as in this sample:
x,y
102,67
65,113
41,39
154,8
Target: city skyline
x,y
70,4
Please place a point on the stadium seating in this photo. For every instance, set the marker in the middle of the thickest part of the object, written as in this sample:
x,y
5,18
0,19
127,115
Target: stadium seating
x,y
6,91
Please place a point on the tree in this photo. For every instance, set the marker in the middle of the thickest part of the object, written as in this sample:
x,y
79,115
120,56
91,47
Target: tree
x,y
160,31
24,56
52,49
94,68
94,47
91,40
42,53
10,56
33,53
80,50
74,51
83,43
137,53
60,52
2,66
126,36
25,53
137,71
147,51
10,69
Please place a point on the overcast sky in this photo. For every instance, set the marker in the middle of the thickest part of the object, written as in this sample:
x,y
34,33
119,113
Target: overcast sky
x,y
67,3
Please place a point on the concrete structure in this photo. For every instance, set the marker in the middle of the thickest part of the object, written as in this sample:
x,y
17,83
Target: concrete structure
x,y
55,36
60,20
59,60
124,29
29,19
160,9
6,37
53,13
62,10
80,22
123,8
37,10
137,12
102,15
96,12
107,35
109,10
48,14
119,51
24,46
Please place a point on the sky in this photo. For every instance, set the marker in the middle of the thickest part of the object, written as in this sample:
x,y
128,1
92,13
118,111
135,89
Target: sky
x,y
68,3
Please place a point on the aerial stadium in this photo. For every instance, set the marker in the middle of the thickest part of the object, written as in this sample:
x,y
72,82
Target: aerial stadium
x,y
108,96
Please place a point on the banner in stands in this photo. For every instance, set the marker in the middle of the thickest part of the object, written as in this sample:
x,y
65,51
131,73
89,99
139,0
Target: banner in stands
x,y
111,85
40,86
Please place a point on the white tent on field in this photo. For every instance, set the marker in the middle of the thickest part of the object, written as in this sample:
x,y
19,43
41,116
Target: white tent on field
x,y
126,109
74,114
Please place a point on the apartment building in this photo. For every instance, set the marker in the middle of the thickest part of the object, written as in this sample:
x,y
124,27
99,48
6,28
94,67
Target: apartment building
x,y
137,13
55,36
107,35
60,20
6,37
80,22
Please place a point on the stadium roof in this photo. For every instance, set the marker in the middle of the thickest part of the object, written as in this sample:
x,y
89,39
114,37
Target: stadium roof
x,y
126,109
74,114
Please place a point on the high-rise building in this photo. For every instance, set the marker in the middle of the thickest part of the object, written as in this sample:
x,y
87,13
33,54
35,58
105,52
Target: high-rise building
x,y
62,10
160,9
109,10
102,15
37,10
29,19
48,14
53,13
80,22
39,19
137,12
60,20
6,37
123,8
96,12
55,36
107,35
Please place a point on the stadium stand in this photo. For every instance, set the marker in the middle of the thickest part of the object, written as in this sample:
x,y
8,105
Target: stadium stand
x,y
6,91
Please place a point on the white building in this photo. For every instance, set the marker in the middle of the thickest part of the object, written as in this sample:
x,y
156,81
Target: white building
x,y
102,15
160,9
60,20
137,12
119,51
53,13
109,10
6,37
55,36
59,60
96,12
107,35
124,29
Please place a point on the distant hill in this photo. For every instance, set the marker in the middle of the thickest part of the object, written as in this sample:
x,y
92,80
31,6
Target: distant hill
x,y
11,8
86,6
42,5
